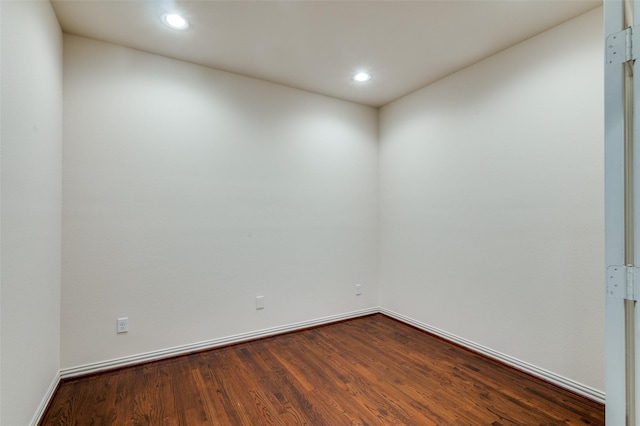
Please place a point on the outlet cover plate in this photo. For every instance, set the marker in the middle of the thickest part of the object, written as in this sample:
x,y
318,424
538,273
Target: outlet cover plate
x,y
123,325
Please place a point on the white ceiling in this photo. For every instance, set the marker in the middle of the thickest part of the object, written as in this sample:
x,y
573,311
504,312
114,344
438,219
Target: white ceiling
x,y
318,45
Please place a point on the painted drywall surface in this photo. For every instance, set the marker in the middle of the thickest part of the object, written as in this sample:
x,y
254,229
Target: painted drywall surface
x,y
31,164
491,192
187,192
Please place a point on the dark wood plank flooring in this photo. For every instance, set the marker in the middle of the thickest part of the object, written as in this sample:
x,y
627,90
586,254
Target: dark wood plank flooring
x,y
366,371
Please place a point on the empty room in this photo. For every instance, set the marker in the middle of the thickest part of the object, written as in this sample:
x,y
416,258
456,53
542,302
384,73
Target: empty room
x,y
302,212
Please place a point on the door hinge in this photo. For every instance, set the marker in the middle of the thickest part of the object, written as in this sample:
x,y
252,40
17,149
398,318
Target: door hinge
x,y
623,282
623,46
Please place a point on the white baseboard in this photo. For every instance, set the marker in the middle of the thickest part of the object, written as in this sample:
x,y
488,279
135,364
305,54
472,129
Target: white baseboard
x,y
96,367
45,401
563,382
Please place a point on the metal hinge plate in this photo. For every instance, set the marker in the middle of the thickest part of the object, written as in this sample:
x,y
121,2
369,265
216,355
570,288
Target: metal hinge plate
x,y
622,46
623,282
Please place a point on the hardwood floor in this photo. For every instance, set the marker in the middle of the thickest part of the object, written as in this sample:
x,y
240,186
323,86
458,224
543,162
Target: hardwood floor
x,y
366,371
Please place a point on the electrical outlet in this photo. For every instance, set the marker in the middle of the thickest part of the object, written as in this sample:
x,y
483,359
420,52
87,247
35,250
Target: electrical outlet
x,y
123,325
259,302
358,289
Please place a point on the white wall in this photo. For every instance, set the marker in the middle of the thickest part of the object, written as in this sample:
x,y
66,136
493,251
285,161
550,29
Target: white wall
x,y
189,191
491,192
31,148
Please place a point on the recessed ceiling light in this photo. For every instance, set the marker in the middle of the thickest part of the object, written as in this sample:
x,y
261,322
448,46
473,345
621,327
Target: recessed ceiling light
x,y
175,21
362,76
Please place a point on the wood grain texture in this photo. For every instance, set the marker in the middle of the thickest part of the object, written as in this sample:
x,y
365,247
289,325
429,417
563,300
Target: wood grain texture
x,y
366,371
